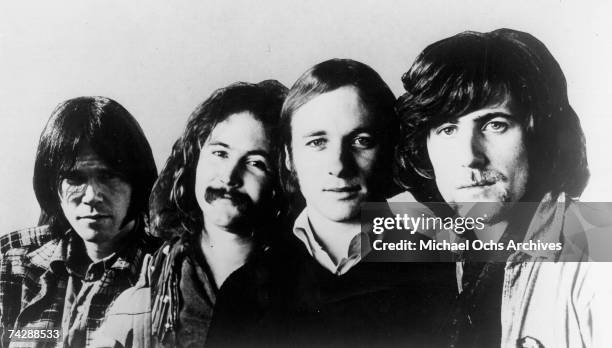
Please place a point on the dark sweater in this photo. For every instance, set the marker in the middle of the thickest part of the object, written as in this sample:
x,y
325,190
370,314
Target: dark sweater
x,y
286,298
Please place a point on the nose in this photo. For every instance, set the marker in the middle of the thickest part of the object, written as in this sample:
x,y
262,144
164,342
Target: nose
x,y
230,173
92,193
470,149
340,161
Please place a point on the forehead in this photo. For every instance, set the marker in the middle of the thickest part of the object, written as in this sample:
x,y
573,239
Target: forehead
x,y
87,159
338,111
499,106
240,131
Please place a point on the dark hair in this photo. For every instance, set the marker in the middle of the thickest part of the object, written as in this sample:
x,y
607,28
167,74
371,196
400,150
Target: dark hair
x,y
376,97
470,70
174,208
113,134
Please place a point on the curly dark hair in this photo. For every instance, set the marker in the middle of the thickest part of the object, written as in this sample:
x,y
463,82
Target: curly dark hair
x,y
467,72
113,134
174,209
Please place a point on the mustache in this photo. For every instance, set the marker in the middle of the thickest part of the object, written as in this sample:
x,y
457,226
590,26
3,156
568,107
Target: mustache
x,y
483,178
239,199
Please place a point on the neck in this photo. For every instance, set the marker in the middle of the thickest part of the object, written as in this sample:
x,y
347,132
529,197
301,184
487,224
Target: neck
x,y
99,251
334,236
224,250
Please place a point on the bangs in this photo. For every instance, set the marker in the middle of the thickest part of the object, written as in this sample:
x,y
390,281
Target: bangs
x,y
469,97
458,92
108,141
456,77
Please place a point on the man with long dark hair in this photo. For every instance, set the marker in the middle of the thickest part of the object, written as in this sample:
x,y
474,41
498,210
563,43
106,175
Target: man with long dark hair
x,y
216,202
93,174
486,118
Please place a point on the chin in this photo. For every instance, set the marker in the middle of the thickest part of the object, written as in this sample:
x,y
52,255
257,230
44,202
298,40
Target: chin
x,y
491,212
223,220
85,232
90,236
491,195
230,221
343,214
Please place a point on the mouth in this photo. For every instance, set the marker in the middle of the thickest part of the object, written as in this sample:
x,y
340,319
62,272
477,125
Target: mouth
x,y
228,197
95,217
478,185
344,192
344,189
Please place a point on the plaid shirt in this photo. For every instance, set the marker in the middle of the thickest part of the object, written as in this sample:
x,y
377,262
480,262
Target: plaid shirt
x,y
34,277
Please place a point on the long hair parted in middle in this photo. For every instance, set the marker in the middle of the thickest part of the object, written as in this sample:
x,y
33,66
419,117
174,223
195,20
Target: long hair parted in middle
x,y
174,209
113,134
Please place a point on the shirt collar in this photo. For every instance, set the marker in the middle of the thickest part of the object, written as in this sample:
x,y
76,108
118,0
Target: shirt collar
x,y
49,253
546,226
57,254
302,229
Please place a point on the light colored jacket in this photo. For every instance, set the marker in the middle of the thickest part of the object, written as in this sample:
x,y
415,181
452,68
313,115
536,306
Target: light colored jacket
x,y
556,303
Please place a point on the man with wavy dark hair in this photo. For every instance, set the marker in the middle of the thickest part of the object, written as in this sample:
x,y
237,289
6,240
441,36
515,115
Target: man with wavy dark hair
x,y
486,118
92,177
216,201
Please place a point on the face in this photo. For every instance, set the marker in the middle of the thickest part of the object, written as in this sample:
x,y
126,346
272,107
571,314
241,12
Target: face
x,y
94,198
481,156
334,149
233,178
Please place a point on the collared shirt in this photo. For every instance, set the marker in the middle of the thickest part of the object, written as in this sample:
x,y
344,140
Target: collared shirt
x,y
304,232
172,303
83,276
549,301
34,278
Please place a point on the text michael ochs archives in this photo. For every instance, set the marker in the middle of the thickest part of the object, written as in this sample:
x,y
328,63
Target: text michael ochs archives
x,y
458,225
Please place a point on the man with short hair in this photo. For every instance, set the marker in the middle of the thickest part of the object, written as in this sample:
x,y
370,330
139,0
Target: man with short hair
x,y
486,118
319,286
93,174
216,201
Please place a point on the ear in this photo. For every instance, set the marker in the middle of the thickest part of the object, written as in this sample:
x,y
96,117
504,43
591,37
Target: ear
x,y
288,164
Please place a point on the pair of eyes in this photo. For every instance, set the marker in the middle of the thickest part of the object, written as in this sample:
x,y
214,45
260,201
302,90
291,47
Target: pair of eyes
x,y
106,177
496,126
253,161
362,141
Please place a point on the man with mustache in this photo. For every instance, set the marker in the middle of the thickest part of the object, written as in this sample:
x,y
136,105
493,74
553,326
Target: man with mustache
x,y
216,201
319,287
486,118
93,174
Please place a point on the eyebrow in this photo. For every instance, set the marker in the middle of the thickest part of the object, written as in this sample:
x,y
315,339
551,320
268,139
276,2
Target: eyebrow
x,y
485,117
358,130
248,153
262,153
79,166
351,133
314,134
492,115
217,143
77,171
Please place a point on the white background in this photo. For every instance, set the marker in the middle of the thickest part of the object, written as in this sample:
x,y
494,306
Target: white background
x,y
160,59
